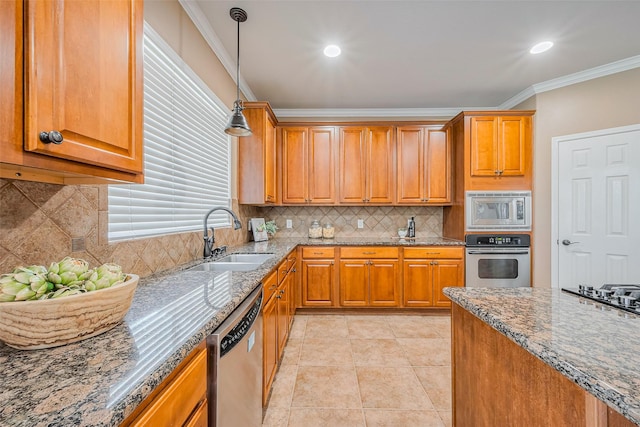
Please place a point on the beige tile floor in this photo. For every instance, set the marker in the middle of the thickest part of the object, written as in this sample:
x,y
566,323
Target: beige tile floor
x,y
347,370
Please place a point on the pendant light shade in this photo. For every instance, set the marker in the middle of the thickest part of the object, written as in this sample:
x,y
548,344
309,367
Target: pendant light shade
x,y
237,125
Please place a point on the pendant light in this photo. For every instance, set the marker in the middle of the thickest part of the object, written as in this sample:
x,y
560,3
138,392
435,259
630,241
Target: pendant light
x,y
237,125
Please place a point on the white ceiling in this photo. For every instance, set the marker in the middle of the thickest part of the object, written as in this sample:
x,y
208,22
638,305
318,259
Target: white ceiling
x,y
447,55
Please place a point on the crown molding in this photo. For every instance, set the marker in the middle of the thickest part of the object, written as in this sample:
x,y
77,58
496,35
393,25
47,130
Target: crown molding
x,y
372,112
202,24
571,79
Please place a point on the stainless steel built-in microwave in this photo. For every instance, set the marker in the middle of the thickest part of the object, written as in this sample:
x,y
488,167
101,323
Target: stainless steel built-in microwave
x,y
498,210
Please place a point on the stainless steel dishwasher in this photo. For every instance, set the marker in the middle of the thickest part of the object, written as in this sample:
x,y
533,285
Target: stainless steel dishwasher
x,y
235,367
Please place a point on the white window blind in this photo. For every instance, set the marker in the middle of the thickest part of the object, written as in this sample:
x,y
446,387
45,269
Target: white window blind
x,y
186,153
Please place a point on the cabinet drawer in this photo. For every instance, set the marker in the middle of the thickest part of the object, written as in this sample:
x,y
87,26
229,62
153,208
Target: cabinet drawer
x,y
200,417
434,252
269,286
176,402
316,252
369,252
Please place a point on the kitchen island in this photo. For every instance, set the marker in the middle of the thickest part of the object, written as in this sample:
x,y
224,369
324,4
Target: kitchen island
x,y
100,381
542,357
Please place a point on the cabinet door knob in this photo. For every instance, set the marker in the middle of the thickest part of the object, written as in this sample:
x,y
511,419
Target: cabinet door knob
x,y
53,136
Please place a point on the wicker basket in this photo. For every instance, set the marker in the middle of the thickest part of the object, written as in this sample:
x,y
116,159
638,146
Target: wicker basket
x,y
30,325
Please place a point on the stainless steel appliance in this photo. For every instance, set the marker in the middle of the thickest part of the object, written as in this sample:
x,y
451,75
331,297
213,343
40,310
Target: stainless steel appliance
x,y
235,367
498,210
624,297
498,260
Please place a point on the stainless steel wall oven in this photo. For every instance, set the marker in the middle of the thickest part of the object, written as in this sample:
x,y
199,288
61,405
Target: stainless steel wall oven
x,y
498,261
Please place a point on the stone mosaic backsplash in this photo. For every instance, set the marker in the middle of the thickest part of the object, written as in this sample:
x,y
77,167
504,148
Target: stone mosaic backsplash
x,y
379,221
40,223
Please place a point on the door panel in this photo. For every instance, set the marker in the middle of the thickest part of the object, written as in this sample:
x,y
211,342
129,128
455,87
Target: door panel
x,y
354,283
484,146
352,165
438,163
417,284
410,187
294,165
380,172
322,165
317,283
82,80
383,284
446,273
512,145
597,173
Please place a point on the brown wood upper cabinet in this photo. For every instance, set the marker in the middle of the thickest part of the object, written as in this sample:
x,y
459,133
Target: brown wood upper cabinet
x,y
308,165
424,166
366,165
499,145
77,81
257,156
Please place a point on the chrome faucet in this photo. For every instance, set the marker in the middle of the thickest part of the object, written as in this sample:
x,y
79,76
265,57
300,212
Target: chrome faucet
x,y
209,241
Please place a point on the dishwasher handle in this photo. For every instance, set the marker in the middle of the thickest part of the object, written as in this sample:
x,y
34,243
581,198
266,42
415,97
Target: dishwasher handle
x,y
241,327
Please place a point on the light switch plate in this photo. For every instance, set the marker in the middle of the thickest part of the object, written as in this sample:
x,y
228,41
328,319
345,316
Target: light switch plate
x,y
289,223
360,223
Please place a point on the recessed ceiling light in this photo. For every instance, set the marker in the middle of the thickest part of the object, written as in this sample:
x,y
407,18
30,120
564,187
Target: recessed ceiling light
x,y
541,47
332,51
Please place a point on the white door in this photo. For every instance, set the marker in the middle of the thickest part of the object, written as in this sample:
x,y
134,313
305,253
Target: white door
x,y
597,208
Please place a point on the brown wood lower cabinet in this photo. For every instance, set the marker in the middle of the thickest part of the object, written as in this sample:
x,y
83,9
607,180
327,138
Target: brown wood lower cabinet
x,y
277,314
426,271
498,383
369,277
317,277
179,400
269,335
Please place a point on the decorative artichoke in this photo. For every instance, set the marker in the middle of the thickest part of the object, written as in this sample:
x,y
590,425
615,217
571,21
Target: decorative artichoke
x,y
70,276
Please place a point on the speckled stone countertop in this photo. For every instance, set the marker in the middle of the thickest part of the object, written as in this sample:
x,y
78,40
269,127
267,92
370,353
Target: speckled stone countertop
x,y
101,380
594,346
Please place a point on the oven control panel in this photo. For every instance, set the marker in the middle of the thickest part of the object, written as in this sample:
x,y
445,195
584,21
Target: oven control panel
x,y
519,240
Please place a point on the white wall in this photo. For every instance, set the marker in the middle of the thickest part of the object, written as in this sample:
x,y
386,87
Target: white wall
x,y
601,103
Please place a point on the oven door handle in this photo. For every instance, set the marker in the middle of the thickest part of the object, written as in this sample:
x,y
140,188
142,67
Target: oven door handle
x,y
472,252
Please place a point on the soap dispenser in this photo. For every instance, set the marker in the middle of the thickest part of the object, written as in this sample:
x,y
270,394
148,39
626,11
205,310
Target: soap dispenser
x,y
411,228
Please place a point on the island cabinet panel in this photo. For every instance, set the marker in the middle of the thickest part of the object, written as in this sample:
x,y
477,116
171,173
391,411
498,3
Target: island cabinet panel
x,y
180,399
78,72
424,166
366,165
498,383
257,182
308,165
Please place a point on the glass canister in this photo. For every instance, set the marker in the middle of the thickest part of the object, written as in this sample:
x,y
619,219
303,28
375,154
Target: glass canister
x,y
328,231
315,231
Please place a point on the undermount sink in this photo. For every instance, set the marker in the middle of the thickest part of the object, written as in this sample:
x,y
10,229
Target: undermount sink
x,y
234,262
244,258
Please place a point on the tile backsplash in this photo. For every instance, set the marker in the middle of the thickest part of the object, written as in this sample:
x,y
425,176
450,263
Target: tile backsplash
x,y
39,222
379,221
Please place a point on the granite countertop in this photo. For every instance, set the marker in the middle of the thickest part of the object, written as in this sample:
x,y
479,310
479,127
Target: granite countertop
x,y
101,380
594,346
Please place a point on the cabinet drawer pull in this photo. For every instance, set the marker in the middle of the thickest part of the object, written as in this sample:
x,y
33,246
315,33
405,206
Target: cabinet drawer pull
x,y
317,253
51,137
369,253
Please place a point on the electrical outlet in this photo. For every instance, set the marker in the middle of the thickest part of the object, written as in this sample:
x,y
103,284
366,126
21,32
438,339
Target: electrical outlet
x,y
289,224
360,223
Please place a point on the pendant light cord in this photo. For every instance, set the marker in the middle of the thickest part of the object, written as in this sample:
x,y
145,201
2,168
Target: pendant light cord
x,y
238,64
